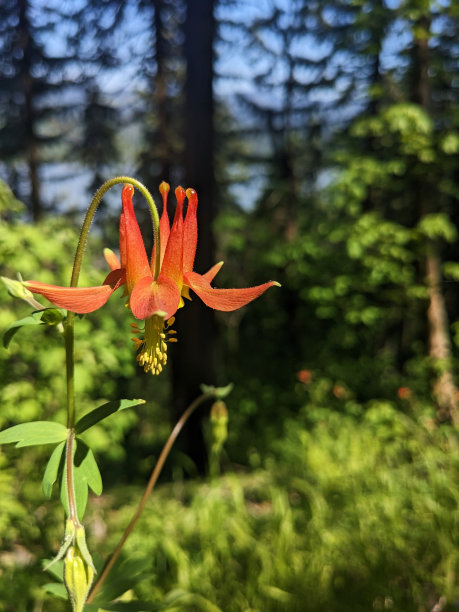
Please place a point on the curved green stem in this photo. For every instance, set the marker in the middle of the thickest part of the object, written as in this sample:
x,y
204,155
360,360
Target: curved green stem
x,y
149,488
90,215
69,333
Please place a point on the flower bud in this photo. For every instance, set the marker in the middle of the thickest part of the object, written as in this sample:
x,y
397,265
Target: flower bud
x,y
78,577
219,424
16,289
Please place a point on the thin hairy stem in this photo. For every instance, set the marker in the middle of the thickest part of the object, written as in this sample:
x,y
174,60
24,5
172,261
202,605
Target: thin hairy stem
x,y
69,326
90,216
70,484
151,483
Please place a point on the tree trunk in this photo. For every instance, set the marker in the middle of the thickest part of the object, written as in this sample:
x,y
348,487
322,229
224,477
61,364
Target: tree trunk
x,y
444,389
194,360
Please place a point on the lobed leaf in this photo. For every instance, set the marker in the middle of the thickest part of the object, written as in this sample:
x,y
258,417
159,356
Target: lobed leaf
x,y
16,326
52,469
104,411
37,432
47,316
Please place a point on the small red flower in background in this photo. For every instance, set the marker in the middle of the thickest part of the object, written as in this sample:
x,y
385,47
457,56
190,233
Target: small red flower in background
x,y
340,392
304,376
404,392
154,300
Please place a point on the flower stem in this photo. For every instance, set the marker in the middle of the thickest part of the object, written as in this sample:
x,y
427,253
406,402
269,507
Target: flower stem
x,y
69,325
91,212
69,333
151,483
70,484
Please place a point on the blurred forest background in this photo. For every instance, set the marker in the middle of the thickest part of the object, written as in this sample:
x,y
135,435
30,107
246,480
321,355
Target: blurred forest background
x,y
322,137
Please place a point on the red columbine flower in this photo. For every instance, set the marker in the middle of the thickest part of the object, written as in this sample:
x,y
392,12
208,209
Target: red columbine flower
x,y
154,300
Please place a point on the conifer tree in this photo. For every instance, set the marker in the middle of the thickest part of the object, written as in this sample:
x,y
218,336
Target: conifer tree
x,y
31,83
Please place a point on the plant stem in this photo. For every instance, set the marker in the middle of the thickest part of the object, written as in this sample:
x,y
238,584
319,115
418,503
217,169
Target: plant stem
x,y
70,369
151,483
90,216
69,325
69,334
69,453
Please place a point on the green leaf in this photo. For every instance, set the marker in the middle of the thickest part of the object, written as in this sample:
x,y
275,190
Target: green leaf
x,y
125,575
102,412
219,392
132,606
85,474
37,432
47,316
55,569
16,326
52,469
56,589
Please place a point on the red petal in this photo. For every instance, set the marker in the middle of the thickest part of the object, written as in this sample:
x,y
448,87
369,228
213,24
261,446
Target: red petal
x,y
137,265
190,231
224,299
79,299
213,271
149,297
173,257
122,240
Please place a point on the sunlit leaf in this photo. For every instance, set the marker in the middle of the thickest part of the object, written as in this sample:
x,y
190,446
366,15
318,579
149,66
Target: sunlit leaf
x,y
52,469
102,412
37,432
55,569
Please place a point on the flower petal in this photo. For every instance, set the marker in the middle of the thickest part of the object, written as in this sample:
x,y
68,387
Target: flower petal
x,y
137,264
224,299
173,257
213,271
190,231
79,299
149,297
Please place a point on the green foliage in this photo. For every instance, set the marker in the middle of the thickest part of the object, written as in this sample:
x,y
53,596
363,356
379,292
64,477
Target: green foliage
x,y
86,475
102,412
348,512
34,433
32,388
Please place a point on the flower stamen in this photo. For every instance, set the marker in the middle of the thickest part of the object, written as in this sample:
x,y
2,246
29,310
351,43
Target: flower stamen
x,y
152,349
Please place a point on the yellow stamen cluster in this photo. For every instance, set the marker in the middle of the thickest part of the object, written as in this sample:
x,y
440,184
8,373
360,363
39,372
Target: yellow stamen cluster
x,y
152,349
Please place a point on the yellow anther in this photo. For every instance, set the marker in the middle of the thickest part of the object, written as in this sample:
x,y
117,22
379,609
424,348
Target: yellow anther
x,y
164,188
152,349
